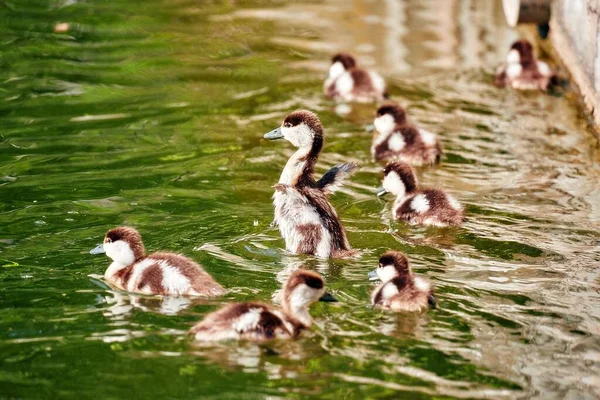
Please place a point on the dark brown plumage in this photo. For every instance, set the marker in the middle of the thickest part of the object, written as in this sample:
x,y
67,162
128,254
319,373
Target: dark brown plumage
x,y
298,193
404,142
528,73
260,322
401,290
347,60
158,273
419,206
354,84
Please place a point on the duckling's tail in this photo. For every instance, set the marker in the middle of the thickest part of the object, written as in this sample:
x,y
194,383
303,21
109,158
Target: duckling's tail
x,y
432,301
334,178
557,84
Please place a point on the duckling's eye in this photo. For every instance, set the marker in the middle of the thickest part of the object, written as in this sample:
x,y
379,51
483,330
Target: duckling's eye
x,y
287,125
108,240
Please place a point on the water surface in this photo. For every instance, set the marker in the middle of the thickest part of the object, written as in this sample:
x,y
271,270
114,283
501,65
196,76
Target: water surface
x,y
152,115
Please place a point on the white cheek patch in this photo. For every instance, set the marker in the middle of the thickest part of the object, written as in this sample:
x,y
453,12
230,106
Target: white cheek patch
x,y
513,57
396,142
120,252
453,202
299,135
336,69
420,203
304,295
393,184
384,124
387,273
513,70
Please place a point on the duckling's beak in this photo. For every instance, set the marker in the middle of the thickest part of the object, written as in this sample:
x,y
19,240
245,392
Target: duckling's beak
x,y
373,275
98,249
274,134
329,298
381,191
370,127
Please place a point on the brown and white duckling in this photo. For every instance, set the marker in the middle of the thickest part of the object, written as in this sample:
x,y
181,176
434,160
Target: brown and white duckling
x,y
348,83
261,322
399,140
158,273
522,70
419,206
401,290
306,219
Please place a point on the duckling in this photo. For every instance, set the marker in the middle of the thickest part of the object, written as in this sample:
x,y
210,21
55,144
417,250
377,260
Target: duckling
x,y
348,83
522,70
307,221
400,290
158,273
261,322
419,206
399,140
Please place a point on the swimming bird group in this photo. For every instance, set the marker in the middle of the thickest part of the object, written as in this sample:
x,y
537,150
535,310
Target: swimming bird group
x,y
307,220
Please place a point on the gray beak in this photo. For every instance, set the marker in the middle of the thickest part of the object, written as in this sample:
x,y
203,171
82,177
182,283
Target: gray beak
x,y
370,127
373,275
381,191
98,250
329,298
274,134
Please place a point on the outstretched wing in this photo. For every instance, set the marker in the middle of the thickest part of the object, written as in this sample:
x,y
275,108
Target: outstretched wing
x,y
334,178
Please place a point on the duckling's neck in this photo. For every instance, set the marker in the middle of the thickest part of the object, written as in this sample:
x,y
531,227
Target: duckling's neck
x,y
300,167
299,313
403,195
113,269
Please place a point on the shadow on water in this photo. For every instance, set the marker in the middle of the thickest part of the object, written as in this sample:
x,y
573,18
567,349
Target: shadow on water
x,y
152,116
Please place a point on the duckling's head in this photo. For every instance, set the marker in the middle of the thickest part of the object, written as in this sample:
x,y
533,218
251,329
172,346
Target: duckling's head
x,y
521,52
124,245
398,179
391,265
340,63
388,116
302,289
302,128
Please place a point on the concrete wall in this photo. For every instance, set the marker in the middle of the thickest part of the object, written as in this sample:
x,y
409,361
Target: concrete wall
x,y
575,33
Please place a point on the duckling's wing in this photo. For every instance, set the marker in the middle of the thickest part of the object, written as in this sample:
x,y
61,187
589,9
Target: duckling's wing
x,y
334,178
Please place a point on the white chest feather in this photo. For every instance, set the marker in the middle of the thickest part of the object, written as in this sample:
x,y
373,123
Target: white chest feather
x,y
293,210
513,71
344,84
389,290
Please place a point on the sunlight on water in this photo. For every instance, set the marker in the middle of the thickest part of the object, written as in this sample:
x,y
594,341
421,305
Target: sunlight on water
x,y
152,116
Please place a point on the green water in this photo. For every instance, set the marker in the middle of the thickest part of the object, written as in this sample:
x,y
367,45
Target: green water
x,y
151,114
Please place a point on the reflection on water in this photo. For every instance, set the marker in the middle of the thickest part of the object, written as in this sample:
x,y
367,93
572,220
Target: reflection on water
x,y
153,117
